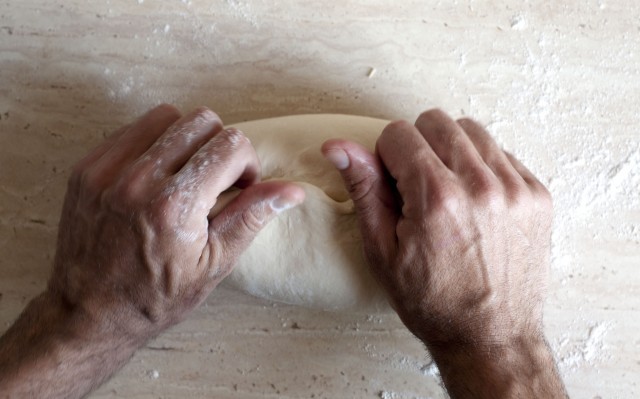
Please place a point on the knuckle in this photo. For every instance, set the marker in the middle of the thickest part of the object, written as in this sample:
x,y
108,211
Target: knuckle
x,y
75,178
360,187
233,138
485,185
166,108
433,113
487,191
395,126
125,192
465,122
205,113
492,199
518,193
253,219
90,182
166,210
448,204
132,187
544,196
446,198
472,127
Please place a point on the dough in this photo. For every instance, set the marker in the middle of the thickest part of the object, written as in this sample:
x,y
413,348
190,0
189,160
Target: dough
x,y
310,255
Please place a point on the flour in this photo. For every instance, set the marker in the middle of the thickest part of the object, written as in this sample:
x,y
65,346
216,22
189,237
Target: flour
x,y
430,369
588,350
385,394
591,181
243,11
594,182
519,23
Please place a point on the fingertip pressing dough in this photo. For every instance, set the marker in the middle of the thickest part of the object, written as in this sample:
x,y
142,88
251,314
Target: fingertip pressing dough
x,y
310,255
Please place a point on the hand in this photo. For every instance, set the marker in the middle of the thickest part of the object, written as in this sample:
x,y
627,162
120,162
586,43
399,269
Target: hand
x,y
456,231
136,250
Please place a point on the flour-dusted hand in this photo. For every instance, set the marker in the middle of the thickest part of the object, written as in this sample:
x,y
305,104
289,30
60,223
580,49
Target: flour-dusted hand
x,y
458,233
137,249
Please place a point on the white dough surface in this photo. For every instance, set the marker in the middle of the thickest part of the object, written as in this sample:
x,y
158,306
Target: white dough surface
x,y
310,255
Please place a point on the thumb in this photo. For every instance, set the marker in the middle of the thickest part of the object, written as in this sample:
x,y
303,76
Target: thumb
x,y
237,224
368,185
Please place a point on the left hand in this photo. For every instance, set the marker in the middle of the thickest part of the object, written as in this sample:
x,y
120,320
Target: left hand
x,y
136,248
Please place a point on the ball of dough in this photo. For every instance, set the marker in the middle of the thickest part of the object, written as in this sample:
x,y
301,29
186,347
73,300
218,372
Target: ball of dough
x,y
310,255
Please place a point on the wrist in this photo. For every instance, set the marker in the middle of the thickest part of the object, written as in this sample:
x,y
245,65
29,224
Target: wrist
x,y
51,339
510,351
520,367
91,321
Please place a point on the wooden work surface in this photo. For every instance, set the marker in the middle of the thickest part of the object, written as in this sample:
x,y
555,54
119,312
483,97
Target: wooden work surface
x,y
557,82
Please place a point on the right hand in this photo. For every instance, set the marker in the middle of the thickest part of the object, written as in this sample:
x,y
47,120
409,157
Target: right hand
x,y
455,230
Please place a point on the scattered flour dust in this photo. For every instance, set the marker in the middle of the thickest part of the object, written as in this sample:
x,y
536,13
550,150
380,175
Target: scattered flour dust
x,y
430,369
243,11
519,22
397,395
588,350
594,181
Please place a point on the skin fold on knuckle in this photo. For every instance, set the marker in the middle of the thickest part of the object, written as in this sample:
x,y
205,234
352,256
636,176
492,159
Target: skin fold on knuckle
x,y
361,186
254,217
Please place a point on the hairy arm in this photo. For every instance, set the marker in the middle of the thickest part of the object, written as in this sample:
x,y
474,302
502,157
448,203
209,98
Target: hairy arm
x,y
524,368
458,234
137,249
56,351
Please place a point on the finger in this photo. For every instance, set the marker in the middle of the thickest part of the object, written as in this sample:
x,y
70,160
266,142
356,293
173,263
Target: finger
x,y
226,159
530,178
100,150
372,195
134,142
449,142
242,218
492,154
414,166
171,151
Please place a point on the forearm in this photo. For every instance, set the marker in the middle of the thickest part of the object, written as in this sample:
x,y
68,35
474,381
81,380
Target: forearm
x,y
522,369
55,351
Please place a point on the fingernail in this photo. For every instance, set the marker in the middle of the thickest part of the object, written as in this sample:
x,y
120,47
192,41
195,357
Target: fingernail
x,y
338,158
281,204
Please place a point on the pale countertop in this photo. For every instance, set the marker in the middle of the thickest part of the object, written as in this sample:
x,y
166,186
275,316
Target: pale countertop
x,y
558,83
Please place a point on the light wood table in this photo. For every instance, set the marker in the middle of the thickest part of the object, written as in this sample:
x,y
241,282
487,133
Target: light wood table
x,y
558,83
